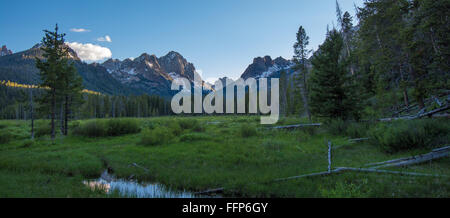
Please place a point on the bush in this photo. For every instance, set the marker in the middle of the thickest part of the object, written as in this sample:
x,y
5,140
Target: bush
x,y
74,124
112,127
405,135
187,123
309,130
336,127
191,124
43,128
247,130
190,137
27,143
91,128
157,136
5,137
357,130
118,127
175,128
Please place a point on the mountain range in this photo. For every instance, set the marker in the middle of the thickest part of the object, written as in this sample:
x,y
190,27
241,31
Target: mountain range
x,y
5,51
146,74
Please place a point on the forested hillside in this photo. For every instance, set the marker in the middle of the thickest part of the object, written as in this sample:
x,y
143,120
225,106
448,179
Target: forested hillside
x,y
393,55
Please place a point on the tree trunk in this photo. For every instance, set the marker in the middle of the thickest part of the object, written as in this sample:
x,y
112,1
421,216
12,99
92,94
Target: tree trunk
x,y
31,113
405,97
66,114
305,94
53,113
61,118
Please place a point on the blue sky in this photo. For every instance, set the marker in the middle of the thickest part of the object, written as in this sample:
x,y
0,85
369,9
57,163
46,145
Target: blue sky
x,y
221,37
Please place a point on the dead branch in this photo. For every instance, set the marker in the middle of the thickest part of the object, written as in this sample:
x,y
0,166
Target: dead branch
x,y
296,126
358,139
433,155
139,166
210,191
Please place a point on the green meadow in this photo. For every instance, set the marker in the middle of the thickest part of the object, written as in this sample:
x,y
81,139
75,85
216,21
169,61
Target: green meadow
x,y
233,152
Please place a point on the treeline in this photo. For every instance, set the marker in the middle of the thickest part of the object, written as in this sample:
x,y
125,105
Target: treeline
x,y
396,53
15,104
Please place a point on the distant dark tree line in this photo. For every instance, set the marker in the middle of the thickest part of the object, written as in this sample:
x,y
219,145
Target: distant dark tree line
x,y
15,104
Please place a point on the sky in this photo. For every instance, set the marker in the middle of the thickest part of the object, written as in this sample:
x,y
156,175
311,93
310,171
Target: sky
x,y
220,37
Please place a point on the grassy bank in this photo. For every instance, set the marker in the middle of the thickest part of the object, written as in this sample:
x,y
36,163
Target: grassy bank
x,y
200,153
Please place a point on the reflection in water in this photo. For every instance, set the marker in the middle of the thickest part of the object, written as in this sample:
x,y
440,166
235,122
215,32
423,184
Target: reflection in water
x,y
133,189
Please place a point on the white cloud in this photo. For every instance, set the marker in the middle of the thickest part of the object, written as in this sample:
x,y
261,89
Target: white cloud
x,y
90,52
79,30
211,80
104,39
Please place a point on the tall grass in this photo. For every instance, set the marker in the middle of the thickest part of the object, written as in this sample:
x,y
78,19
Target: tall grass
x,y
157,136
247,130
91,128
112,127
5,137
123,126
43,128
405,135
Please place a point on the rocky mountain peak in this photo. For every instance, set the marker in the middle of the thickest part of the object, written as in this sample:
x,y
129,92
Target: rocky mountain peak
x,y
5,51
265,66
149,72
281,61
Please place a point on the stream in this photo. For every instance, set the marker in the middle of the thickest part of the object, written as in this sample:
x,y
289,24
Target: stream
x,y
132,188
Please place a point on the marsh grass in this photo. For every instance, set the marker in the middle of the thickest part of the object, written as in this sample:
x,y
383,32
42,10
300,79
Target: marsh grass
x,y
406,135
220,156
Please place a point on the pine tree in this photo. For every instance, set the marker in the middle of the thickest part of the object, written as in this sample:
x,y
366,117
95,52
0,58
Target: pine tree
x,y
330,85
50,71
71,85
301,55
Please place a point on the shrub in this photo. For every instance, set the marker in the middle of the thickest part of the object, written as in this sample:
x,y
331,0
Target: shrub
x,y
118,127
404,135
92,128
190,137
43,128
149,124
187,123
247,130
336,127
309,130
27,143
157,136
5,137
357,130
191,124
74,124
112,127
175,128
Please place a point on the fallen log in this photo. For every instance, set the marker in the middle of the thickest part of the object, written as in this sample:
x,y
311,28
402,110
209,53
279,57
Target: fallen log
x,y
139,166
433,155
437,101
296,126
368,170
210,191
421,114
434,111
388,171
417,159
358,139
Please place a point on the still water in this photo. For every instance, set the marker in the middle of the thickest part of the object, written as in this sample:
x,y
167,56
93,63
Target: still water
x,y
130,188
